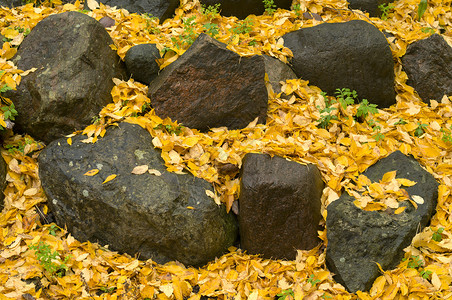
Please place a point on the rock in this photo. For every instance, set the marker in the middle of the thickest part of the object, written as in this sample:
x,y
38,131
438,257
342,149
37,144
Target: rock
x,y
242,8
358,239
428,64
210,86
352,55
3,182
279,206
162,9
66,91
107,22
167,217
12,3
141,64
277,71
370,6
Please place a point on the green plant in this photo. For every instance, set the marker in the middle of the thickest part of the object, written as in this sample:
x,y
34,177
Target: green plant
x,y
422,7
23,30
5,88
437,235
420,129
243,27
285,293
385,8
312,280
9,113
252,43
107,290
365,109
414,262
425,274
149,26
345,97
210,12
428,30
401,121
189,35
20,147
326,117
378,136
447,137
297,9
53,229
50,260
212,29
170,128
270,6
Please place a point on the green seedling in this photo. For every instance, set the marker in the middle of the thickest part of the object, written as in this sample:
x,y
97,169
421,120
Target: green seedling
x,y
211,29
243,27
252,43
401,121
428,30
289,294
210,12
170,128
53,229
188,37
437,235
50,260
108,290
447,137
426,274
326,117
345,97
270,7
297,9
312,280
5,88
385,8
422,7
420,130
149,26
378,136
414,262
365,109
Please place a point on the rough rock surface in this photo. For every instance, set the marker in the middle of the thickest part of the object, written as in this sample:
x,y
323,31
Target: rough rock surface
x,y
279,206
73,81
428,64
352,55
242,8
141,64
162,9
210,86
3,169
359,239
277,71
370,6
167,217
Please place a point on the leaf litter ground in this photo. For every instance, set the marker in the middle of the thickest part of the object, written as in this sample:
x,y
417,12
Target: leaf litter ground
x,y
342,152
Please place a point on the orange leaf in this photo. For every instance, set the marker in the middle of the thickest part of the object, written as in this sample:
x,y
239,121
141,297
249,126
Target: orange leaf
x,y
91,172
109,178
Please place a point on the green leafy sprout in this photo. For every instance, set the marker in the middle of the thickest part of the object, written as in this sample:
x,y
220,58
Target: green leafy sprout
x,y
365,109
243,27
151,28
19,148
210,12
50,260
447,137
312,280
325,113
378,136
428,30
270,7
385,8
414,262
422,7
188,37
211,29
107,290
346,97
401,121
420,129
437,235
297,9
286,293
170,128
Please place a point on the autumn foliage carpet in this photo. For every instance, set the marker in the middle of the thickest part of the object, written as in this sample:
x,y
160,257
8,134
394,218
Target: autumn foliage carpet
x,y
342,152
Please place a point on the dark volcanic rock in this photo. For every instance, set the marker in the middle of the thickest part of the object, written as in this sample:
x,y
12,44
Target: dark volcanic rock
x,y
141,64
352,55
370,6
210,86
162,9
428,64
107,22
73,81
242,8
359,239
277,71
3,169
145,214
279,206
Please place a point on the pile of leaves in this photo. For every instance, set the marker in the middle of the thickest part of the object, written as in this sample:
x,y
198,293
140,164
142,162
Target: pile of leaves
x,y
342,134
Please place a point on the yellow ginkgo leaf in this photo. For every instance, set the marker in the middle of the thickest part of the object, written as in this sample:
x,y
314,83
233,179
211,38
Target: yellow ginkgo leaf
x,y
91,172
388,176
109,178
405,182
399,210
138,170
69,141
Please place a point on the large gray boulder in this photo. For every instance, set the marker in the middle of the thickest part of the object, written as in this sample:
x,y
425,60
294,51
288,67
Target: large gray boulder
x,y
210,86
162,9
164,217
279,206
242,8
352,55
359,239
3,182
141,62
428,64
73,81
